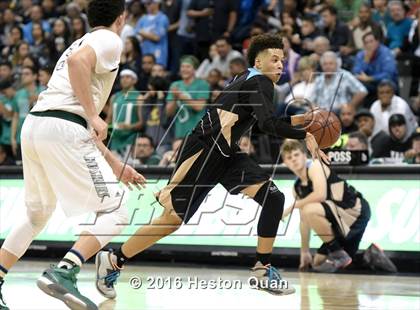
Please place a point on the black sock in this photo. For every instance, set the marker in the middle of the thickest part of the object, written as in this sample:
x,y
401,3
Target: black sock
x,y
333,246
121,258
265,259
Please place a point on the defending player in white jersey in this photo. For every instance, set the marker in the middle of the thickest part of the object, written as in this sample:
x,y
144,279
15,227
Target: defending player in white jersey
x,y
65,160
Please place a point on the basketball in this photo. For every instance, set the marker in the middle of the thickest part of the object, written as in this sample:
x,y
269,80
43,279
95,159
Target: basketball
x,y
324,125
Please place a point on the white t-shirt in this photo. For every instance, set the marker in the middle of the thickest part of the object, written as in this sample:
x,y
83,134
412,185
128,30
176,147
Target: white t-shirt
x,y
398,105
59,94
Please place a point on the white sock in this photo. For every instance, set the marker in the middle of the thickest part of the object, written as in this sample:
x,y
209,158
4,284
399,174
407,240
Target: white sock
x,y
71,259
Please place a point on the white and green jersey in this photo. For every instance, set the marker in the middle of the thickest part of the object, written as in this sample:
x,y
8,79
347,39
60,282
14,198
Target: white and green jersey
x,y
59,94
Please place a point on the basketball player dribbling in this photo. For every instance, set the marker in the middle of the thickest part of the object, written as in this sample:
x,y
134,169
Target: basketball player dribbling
x,y
65,160
211,155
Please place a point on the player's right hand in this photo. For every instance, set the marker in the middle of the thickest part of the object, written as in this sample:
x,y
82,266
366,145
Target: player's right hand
x,y
100,128
313,148
305,260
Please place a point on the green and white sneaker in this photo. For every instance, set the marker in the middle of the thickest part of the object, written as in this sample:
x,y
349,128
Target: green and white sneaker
x,y
60,283
3,305
267,278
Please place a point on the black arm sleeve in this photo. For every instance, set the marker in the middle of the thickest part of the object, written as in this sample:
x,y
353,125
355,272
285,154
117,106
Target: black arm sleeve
x,y
261,99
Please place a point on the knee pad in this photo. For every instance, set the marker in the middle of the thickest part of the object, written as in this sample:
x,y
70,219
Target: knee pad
x,y
27,228
272,202
38,216
107,225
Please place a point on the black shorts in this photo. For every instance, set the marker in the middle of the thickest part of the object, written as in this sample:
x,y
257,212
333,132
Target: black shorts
x,y
351,241
199,169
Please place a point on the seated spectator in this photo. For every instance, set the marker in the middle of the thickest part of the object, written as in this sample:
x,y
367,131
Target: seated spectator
x,y
79,28
374,64
124,114
39,47
6,71
309,33
337,32
387,104
50,10
291,62
378,140
36,17
159,71
44,75
398,29
169,158
321,45
147,63
21,52
144,152
400,138
59,39
14,38
206,65
5,158
131,55
365,25
290,28
381,13
153,30
347,114
348,125
225,54
413,155
357,141
7,96
187,98
256,29
303,82
237,66
347,10
335,86
153,105
216,82
24,100
336,211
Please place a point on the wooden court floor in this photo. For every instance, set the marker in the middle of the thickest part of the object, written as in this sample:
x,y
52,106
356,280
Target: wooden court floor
x,y
202,287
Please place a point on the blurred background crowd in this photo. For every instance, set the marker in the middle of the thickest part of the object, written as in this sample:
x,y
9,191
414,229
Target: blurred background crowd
x,y
362,58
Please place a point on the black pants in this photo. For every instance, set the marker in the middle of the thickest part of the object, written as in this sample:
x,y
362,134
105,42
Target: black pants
x,y
350,243
199,169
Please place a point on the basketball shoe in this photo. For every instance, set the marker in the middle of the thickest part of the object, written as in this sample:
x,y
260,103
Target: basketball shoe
x,y
335,260
267,278
107,273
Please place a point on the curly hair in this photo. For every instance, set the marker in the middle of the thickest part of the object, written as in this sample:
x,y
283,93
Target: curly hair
x,y
263,42
104,12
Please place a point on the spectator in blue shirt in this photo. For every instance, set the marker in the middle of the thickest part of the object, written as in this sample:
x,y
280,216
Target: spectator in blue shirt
x,y
153,31
374,63
398,29
36,17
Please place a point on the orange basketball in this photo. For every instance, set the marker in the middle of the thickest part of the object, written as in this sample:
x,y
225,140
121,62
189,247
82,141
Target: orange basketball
x,y
324,125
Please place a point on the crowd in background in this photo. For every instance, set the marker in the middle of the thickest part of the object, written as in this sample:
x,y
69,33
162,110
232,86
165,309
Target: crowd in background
x,y
360,59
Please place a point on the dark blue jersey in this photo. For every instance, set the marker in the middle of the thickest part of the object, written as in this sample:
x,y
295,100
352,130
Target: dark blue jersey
x,y
247,100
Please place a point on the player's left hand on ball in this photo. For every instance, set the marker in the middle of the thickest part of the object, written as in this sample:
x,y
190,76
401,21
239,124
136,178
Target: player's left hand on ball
x,y
129,176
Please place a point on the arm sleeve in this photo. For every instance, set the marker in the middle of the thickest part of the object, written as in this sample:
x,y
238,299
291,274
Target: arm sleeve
x,y
108,50
261,100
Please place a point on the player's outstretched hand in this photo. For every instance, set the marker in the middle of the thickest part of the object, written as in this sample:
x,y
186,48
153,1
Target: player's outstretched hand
x,y
313,148
100,128
129,176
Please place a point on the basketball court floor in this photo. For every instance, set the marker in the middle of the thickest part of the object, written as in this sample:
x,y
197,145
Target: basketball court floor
x,y
172,289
